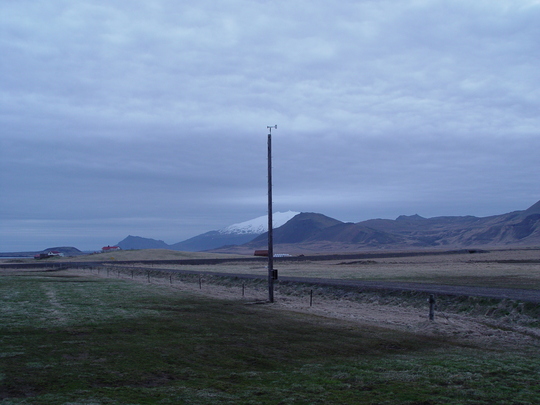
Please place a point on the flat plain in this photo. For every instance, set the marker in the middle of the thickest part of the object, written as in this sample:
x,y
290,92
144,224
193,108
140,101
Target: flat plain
x,y
512,268
103,337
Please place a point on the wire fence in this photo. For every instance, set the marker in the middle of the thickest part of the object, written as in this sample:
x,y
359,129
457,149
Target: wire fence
x,y
253,288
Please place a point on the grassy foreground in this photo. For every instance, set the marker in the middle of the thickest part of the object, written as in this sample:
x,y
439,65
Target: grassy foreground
x,y
82,340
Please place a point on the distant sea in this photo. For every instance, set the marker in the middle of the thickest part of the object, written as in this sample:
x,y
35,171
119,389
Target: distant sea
x,y
17,255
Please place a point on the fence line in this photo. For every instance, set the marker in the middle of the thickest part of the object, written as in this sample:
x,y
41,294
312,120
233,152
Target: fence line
x,y
218,280
498,303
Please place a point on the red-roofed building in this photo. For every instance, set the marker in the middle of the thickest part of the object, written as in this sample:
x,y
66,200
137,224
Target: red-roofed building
x,y
51,253
107,249
55,253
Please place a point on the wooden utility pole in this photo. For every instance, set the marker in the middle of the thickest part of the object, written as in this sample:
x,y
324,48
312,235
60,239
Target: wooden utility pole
x,y
271,274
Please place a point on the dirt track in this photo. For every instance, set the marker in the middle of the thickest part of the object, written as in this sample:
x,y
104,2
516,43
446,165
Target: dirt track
x,y
453,290
503,274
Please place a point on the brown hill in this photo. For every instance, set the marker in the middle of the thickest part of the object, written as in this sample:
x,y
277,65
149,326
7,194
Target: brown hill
x,y
300,228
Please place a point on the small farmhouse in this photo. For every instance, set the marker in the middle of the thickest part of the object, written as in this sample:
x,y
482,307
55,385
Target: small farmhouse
x,y
55,253
108,249
51,253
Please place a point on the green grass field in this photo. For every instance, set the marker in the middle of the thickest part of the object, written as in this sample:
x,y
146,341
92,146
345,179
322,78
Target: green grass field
x,y
82,340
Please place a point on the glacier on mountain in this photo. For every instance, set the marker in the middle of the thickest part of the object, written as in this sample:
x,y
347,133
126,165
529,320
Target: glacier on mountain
x,y
259,225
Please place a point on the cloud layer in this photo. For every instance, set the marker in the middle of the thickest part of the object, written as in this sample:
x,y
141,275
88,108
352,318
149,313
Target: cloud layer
x,y
149,118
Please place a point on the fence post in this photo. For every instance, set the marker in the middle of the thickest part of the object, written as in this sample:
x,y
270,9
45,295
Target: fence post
x,y
243,289
200,283
148,275
170,278
431,307
310,298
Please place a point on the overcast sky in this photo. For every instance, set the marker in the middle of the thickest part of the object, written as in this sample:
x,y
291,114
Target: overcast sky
x,y
149,118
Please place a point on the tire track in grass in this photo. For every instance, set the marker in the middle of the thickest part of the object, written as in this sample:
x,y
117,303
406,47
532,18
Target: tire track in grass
x,y
55,308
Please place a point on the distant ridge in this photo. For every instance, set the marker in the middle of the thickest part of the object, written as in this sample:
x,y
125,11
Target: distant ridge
x,y
236,234
136,242
314,232
533,209
212,240
299,228
311,232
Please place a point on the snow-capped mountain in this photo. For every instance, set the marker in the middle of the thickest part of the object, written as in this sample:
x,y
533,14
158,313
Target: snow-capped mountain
x,y
236,234
316,232
259,225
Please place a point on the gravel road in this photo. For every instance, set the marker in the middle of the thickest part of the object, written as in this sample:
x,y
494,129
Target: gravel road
x,y
428,288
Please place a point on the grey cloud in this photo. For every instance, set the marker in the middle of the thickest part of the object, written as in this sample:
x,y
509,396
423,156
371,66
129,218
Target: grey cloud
x,y
112,112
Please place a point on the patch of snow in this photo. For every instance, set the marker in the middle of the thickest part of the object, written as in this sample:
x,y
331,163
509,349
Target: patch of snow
x,y
259,225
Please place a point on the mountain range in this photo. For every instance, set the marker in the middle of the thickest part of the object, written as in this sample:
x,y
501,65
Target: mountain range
x,y
236,234
314,232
